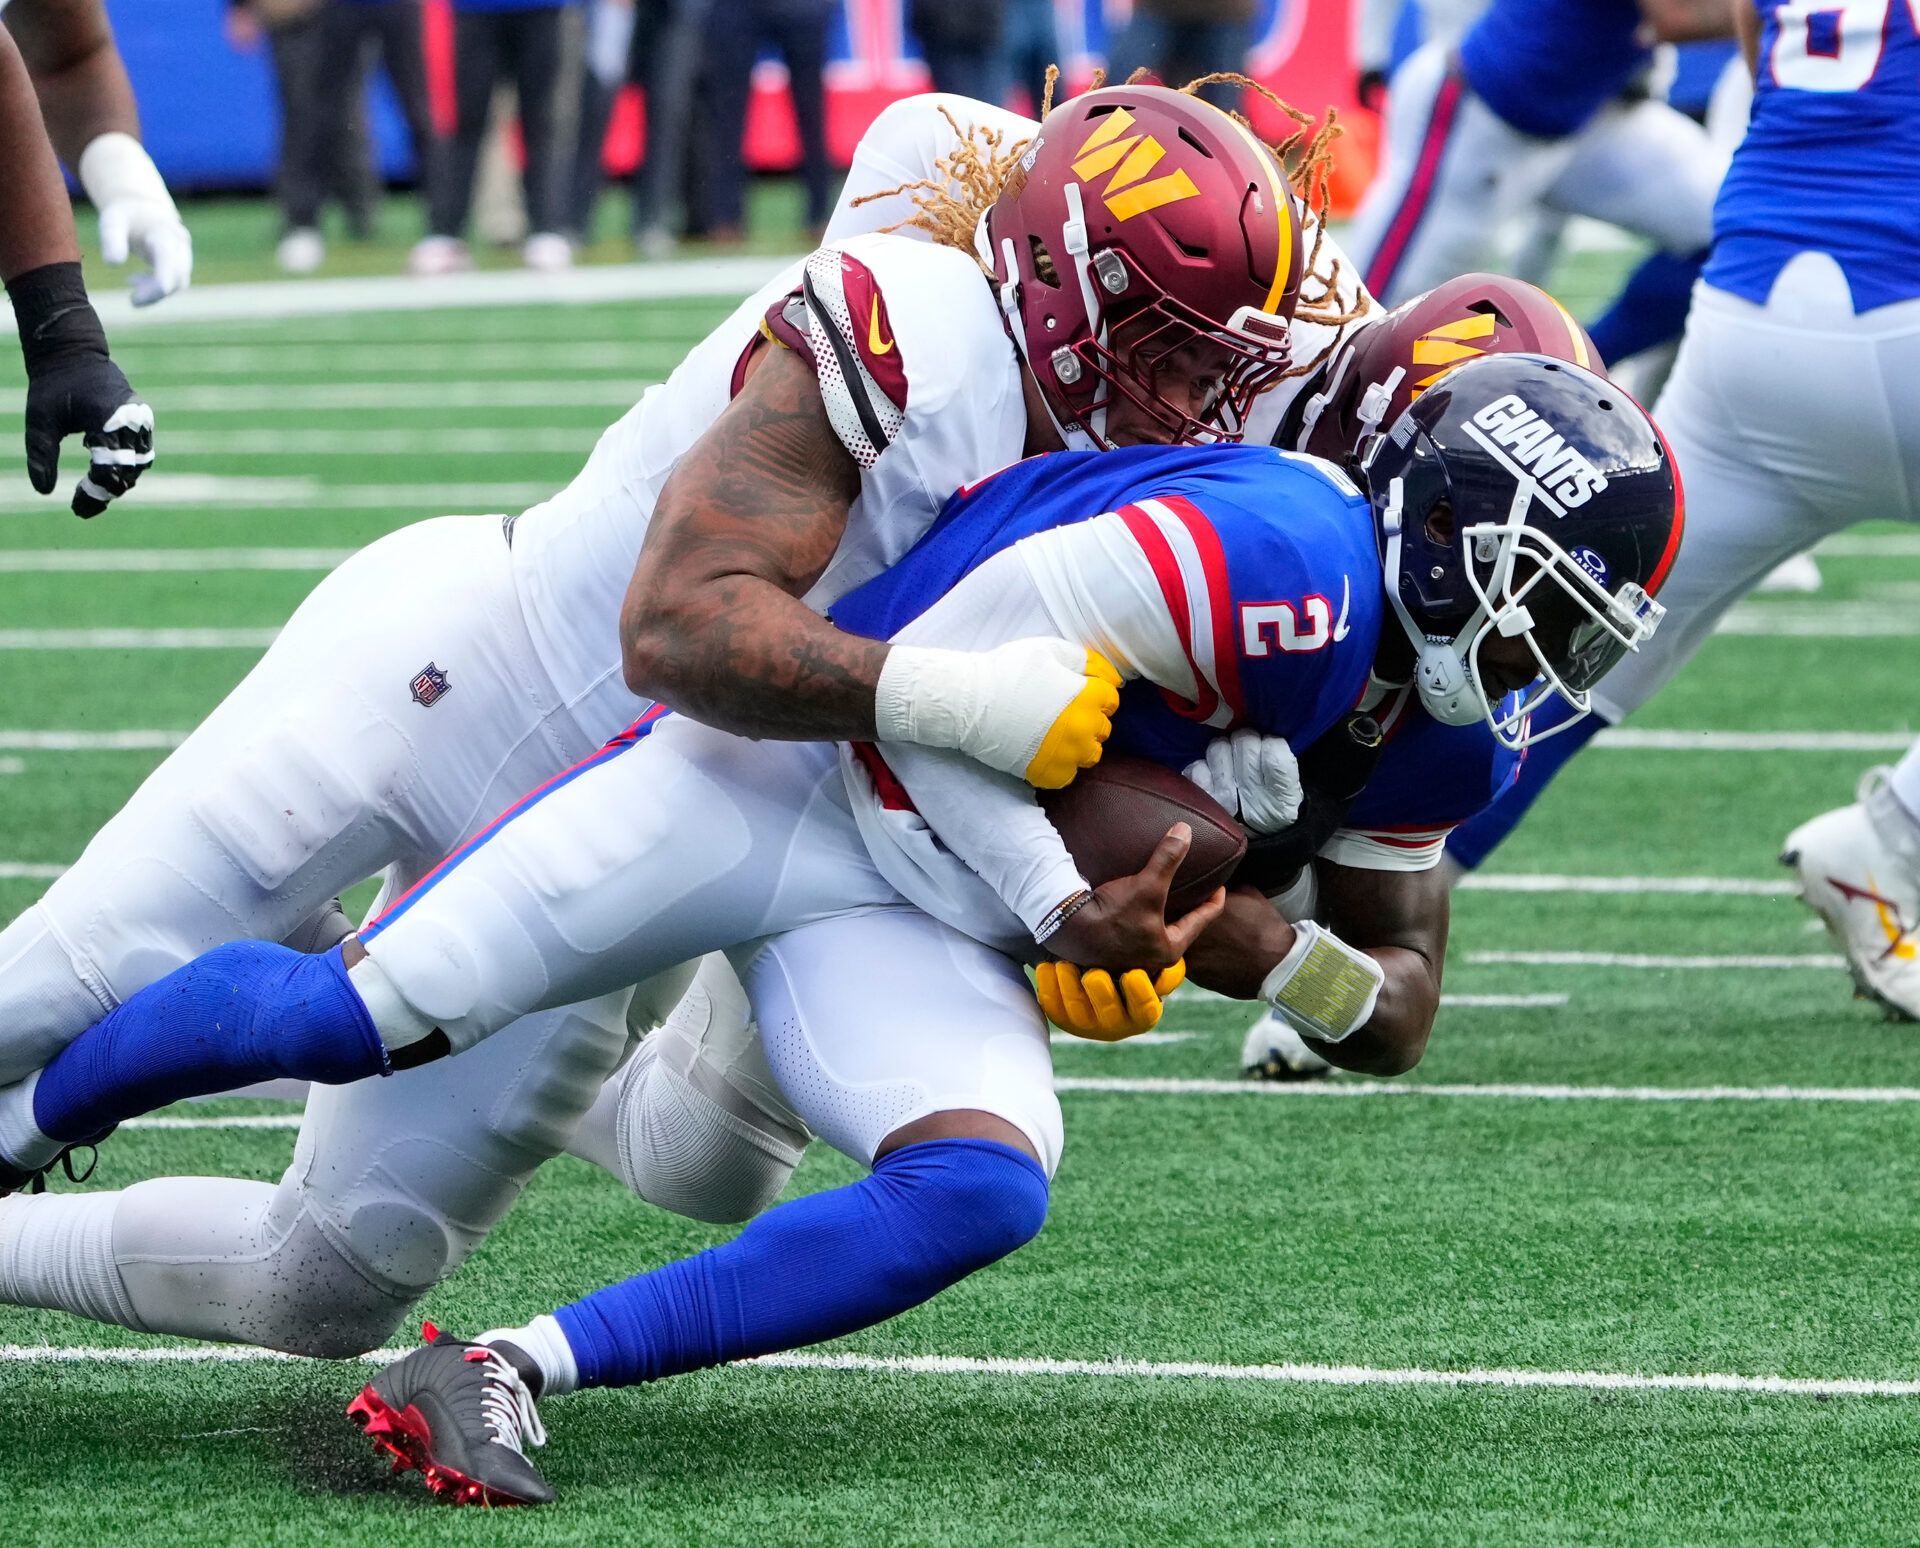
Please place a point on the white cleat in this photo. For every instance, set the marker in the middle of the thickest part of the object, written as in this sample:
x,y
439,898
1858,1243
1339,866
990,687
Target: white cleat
x,y
1859,870
301,250
1274,1051
1799,576
437,255
547,252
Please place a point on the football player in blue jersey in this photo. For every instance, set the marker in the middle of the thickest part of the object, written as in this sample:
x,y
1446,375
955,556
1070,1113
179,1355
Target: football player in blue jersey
x,y
1534,107
1793,411
1517,519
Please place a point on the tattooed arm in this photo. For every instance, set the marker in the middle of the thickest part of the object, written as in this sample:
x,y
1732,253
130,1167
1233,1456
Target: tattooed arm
x,y
713,623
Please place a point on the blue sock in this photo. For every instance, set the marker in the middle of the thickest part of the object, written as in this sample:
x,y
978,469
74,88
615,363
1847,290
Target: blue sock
x,y
818,1267
244,1012
1651,307
1473,841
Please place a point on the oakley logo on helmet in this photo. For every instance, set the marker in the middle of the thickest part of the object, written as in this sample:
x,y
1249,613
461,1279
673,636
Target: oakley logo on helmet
x,y
1110,147
1560,470
1593,564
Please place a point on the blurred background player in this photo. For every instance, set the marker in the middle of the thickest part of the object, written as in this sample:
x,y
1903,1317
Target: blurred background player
x,y
1793,411
494,40
87,103
1537,106
73,386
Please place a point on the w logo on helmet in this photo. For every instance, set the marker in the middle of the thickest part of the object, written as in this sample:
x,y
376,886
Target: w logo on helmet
x,y
1134,155
1446,346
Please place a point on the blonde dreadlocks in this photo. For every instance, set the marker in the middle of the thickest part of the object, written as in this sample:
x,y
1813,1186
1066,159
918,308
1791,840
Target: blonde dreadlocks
x,y
984,161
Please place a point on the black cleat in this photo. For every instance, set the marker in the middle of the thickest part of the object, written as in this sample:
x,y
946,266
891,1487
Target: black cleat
x,y
460,1413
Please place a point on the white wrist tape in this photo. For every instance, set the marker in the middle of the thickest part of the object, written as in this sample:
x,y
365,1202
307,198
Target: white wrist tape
x,y
1323,988
116,166
995,706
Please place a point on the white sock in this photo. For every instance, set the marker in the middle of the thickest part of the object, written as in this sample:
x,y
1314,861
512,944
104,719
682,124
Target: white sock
x,y
1904,781
56,1251
546,1345
21,1141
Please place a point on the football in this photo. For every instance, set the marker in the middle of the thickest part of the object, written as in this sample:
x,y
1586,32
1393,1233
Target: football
x,y
1115,812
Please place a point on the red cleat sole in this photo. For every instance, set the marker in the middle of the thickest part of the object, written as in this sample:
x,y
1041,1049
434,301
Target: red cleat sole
x,y
404,1434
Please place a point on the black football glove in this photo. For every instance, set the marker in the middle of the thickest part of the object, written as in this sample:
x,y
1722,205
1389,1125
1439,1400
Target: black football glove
x,y
73,386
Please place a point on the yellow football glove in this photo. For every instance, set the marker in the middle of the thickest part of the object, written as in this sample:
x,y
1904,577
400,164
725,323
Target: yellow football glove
x,y
1090,1005
1079,732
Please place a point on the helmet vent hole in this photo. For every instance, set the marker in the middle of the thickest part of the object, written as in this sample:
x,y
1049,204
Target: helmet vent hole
x,y
1190,251
1488,309
1043,269
1607,403
1193,140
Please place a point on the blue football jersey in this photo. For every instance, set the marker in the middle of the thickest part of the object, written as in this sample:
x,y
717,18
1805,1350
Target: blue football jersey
x,y
1547,66
1430,778
1267,563
1831,161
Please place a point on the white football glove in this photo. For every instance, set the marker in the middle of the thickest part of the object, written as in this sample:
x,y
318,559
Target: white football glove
x,y
1039,709
1274,1051
137,215
1255,777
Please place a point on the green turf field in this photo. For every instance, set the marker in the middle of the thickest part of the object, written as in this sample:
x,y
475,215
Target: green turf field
x,y
1537,1219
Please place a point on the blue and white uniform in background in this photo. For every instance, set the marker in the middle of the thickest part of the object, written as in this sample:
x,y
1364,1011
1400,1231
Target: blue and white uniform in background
x,y
1527,109
1794,407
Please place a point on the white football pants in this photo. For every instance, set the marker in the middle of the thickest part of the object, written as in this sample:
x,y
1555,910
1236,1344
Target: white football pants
x,y
1455,174
1788,422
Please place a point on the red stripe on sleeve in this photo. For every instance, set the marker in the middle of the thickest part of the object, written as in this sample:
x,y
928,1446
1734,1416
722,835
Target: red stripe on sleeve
x,y
1213,564
1173,587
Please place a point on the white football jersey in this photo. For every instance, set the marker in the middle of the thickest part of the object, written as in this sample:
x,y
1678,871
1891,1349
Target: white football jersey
x,y
920,383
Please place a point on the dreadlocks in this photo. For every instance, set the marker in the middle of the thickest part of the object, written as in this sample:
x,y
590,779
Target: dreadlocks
x,y
984,161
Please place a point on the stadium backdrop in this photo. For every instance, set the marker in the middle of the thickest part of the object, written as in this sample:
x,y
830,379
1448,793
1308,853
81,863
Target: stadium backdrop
x,y
208,112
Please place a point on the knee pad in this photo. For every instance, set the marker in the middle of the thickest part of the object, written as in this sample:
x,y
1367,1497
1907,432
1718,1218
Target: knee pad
x,y
682,1148
243,1262
46,999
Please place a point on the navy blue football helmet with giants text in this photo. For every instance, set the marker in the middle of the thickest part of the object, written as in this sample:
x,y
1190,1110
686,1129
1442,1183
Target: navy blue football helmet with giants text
x,y
1521,496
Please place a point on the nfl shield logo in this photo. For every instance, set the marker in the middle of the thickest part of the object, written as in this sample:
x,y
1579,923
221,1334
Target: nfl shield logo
x,y
429,685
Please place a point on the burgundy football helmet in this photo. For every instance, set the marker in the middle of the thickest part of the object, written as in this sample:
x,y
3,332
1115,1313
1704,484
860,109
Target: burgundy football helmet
x,y
1142,222
1385,364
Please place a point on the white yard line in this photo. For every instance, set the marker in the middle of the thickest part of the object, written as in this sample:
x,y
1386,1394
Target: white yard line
x,y
158,360
28,870
1629,739
1138,1040
1650,962
1115,1085
1865,545
1291,1372
1175,1086
1705,886
203,490
136,639
272,300
1821,621
139,561
425,441
1191,994
91,741
309,397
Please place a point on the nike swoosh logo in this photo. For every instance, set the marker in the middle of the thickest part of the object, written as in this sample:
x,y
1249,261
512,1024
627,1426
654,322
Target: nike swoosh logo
x,y
1346,597
873,332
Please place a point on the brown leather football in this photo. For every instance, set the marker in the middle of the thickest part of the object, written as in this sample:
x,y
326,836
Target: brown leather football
x,y
1113,814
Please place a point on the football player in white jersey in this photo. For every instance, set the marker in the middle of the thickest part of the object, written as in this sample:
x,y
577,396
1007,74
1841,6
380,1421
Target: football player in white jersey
x,y
887,383
94,124
821,866
73,385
